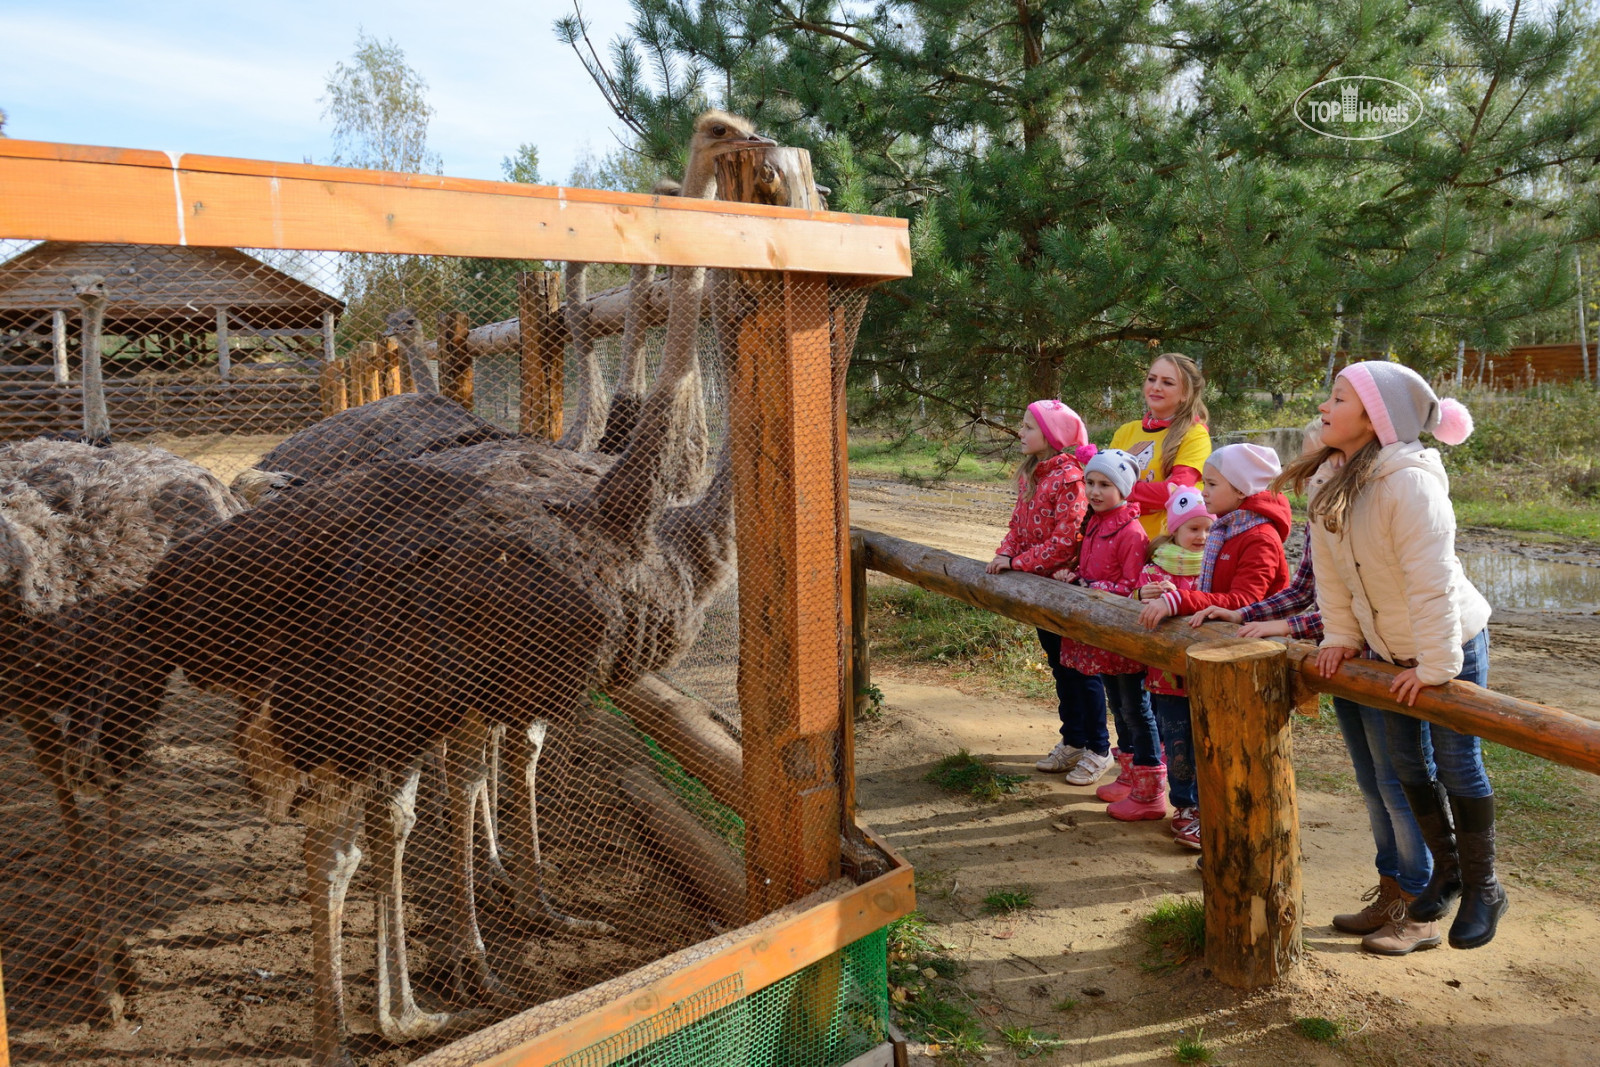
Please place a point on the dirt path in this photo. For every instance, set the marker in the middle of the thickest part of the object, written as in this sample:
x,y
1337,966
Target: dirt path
x,y
1529,998
1551,658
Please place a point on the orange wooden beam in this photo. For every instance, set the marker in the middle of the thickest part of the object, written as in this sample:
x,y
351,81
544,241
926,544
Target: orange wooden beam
x,y
84,193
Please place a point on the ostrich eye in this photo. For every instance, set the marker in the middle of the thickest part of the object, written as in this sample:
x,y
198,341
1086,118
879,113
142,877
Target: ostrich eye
x,y
719,130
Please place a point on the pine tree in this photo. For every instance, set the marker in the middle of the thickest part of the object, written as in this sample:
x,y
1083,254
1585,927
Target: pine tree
x,y
1091,182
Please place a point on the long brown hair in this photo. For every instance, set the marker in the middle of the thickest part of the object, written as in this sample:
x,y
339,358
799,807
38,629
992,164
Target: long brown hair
x,y
1025,474
1191,409
1332,503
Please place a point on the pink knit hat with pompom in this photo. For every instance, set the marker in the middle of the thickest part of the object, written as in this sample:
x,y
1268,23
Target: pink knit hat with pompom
x,y
1402,406
1060,425
1184,502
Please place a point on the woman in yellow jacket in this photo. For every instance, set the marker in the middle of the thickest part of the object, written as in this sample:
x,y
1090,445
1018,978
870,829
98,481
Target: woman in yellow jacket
x,y
1171,442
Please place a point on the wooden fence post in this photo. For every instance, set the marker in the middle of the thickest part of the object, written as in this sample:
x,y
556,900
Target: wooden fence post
x,y
860,647
455,361
332,381
396,375
543,357
781,410
1239,699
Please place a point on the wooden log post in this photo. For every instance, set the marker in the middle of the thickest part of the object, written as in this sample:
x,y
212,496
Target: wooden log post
x,y
1239,699
364,372
860,643
455,360
333,386
395,374
543,369
58,345
791,612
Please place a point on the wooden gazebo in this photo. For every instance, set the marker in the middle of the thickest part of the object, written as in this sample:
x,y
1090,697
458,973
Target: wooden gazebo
x,y
172,308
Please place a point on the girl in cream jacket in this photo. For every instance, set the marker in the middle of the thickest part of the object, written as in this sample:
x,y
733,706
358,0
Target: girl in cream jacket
x,y
1388,582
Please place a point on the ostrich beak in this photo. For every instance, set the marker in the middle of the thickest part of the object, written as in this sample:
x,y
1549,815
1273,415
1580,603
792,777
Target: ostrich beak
x,y
755,140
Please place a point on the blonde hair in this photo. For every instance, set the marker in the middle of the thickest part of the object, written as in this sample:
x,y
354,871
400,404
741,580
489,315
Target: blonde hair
x,y
1191,409
1159,542
1333,500
1025,470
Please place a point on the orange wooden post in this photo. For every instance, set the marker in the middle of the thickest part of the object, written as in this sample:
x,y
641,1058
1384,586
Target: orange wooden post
x,y
396,374
5,1040
455,361
790,594
543,362
332,380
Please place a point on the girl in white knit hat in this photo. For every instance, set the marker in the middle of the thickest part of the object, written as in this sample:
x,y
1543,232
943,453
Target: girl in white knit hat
x,y
1388,581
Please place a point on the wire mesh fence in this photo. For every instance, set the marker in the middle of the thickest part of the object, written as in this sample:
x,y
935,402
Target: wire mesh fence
x,y
332,584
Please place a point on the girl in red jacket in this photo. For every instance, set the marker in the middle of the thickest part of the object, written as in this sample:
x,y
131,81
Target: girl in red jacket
x,y
1046,527
1244,563
1110,559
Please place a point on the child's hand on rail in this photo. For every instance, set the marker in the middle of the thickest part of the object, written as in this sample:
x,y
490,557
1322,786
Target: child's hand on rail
x,y
1272,628
998,564
1153,613
1328,660
1405,687
1216,611
1065,574
1154,590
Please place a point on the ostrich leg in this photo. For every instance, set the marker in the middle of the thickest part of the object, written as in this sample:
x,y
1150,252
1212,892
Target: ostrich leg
x,y
533,899
468,773
112,974
494,871
391,815
333,817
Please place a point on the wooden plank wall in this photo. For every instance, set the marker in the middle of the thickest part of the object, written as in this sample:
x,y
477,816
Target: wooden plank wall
x,y
28,410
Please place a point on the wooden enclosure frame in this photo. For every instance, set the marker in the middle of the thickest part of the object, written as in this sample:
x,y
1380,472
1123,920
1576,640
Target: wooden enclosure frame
x,y
1248,688
85,193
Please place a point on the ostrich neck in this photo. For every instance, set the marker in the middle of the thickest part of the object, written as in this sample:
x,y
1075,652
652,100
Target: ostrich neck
x,y
96,422
700,180
421,373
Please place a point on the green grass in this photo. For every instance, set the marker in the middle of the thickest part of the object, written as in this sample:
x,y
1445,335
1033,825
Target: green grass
x,y
967,774
1193,1049
912,625
1023,1041
1577,521
949,1025
920,461
1545,814
1174,934
1316,1028
1007,901
1065,1004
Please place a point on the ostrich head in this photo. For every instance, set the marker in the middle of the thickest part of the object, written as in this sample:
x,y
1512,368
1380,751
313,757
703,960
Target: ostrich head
x,y
667,187
402,324
716,133
90,290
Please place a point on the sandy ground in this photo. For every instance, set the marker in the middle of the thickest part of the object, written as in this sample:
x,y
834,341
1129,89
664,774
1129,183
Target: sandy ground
x,y
1531,997
1551,658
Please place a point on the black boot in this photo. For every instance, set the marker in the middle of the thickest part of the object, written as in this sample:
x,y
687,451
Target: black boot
x,y
1483,900
1428,806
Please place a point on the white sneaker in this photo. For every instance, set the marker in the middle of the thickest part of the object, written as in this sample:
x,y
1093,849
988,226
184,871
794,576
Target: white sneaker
x,y
1062,758
1090,769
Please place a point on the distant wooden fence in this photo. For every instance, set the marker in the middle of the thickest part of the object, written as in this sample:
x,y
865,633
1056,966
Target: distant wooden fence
x,y
140,409
1241,693
1527,365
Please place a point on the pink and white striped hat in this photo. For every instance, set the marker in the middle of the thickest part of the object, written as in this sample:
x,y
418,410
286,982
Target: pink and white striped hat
x,y
1402,406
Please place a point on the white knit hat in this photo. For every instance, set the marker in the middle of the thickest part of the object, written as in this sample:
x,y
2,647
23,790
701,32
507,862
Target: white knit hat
x,y
1120,468
1248,468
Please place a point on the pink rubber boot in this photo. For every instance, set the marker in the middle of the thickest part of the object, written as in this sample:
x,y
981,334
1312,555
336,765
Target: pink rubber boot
x,y
1123,785
1148,798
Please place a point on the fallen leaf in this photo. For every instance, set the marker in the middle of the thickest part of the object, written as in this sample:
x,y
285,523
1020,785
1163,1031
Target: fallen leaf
x,y
989,1010
1005,935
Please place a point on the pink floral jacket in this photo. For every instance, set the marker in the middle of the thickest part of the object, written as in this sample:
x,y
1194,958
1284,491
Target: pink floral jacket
x,y
1110,559
1044,531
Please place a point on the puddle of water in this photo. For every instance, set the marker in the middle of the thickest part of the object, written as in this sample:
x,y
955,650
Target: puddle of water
x,y
1518,583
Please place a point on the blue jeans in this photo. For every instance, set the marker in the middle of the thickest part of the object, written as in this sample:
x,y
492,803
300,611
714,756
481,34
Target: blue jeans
x,y
1402,854
1458,756
1136,722
1172,713
1080,701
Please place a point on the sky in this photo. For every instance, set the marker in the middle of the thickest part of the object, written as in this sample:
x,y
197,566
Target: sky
x,y
236,79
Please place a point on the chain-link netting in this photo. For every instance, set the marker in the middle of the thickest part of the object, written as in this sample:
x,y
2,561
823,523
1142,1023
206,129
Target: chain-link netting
x,y
371,637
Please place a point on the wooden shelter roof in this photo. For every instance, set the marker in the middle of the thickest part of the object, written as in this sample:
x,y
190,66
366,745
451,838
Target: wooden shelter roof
x,y
160,287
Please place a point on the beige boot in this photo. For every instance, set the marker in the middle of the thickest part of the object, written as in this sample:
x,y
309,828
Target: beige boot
x,y
1402,934
1375,916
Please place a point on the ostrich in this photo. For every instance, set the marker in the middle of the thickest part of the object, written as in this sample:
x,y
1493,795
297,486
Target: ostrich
x,y
588,425
90,289
412,596
403,326
82,526
624,411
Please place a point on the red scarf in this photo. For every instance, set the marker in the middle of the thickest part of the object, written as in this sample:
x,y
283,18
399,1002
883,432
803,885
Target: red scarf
x,y
1151,424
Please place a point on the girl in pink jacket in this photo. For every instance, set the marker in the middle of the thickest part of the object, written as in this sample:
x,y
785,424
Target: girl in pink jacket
x,y
1046,527
1110,559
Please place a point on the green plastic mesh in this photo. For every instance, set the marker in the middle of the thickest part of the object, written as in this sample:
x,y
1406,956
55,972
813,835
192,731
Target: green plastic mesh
x,y
822,1016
